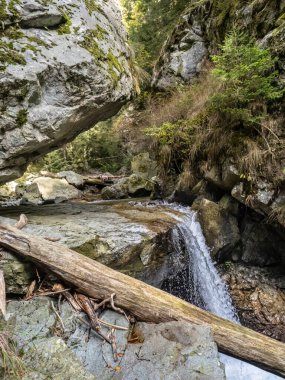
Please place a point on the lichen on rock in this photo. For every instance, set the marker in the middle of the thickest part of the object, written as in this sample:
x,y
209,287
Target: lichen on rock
x,y
64,67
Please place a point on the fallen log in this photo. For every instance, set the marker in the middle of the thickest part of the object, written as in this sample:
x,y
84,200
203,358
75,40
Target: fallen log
x,y
145,302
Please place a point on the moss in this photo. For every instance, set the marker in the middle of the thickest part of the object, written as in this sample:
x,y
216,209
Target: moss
x,y
12,7
3,11
66,27
38,41
100,32
89,43
22,117
31,47
114,61
115,68
92,6
280,20
13,33
76,29
9,55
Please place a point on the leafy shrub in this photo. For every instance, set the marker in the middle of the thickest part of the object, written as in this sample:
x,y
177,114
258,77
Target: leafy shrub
x,y
225,114
99,148
248,80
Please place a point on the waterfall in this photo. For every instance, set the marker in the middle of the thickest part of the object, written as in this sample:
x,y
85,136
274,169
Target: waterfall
x,y
203,287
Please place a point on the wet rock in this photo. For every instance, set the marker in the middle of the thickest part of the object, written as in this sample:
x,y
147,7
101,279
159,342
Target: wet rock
x,y
72,178
219,227
167,350
261,243
259,297
45,189
132,239
117,191
229,204
139,186
66,68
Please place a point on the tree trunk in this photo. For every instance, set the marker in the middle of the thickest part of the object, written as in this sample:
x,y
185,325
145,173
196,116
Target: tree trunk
x,y
145,302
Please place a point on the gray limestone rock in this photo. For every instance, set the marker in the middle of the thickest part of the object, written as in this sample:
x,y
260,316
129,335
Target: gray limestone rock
x,y
173,350
131,239
72,178
165,351
45,189
66,68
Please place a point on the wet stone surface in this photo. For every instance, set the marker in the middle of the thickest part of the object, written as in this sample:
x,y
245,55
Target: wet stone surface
x,y
259,297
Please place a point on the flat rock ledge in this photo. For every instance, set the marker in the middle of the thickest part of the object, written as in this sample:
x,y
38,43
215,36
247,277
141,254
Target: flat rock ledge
x,y
173,350
135,240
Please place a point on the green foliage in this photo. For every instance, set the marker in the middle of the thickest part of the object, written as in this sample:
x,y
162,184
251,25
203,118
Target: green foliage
x,y
247,75
66,27
148,24
99,148
22,117
9,55
225,114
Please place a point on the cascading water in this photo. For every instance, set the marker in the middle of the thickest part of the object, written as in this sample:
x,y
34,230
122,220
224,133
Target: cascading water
x,y
205,288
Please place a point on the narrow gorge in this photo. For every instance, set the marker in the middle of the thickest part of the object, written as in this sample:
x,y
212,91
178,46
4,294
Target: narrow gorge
x,y
142,189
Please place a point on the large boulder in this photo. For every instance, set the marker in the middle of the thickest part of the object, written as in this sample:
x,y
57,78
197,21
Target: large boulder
x,y
64,67
45,189
219,226
72,178
132,239
136,185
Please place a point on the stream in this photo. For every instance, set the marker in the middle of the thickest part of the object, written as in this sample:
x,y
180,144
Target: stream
x,y
101,227
205,288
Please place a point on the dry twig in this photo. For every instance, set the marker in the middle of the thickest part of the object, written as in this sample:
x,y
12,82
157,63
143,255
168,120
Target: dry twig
x,y
31,290
58,316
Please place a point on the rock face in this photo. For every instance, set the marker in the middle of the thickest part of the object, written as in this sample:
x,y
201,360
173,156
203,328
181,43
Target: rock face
x,y
259,297
164,351
64,67
219,226
131,239
202,28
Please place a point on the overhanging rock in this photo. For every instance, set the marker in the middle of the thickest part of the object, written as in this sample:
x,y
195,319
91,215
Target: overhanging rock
x,y
63,67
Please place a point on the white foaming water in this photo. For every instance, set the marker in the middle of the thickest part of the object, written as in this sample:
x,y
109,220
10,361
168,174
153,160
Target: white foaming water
x,y
208,290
